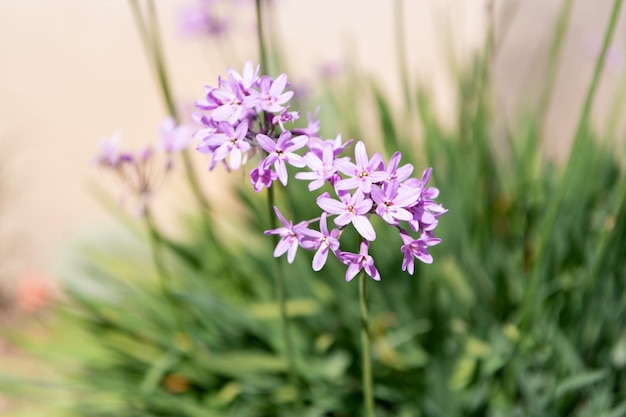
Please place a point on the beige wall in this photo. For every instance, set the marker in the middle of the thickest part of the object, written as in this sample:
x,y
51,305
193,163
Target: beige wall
x,y
72,71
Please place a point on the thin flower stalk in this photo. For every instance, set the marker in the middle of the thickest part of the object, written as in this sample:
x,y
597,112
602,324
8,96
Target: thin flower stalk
x,y
581,138
157,258
149,33
366,371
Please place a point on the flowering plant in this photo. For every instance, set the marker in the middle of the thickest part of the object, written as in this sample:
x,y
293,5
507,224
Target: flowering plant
x,y
247,114
482,328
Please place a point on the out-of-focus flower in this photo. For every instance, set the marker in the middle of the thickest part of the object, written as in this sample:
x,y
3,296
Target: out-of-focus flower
x,y
139,172
592,44
201,18
34,292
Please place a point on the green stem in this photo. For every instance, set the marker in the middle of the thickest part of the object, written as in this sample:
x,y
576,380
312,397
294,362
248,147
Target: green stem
x,y
157,258
150,37
547,228
617,110
279,273
401,53
261,39
368,398
282,297
553,60
585,114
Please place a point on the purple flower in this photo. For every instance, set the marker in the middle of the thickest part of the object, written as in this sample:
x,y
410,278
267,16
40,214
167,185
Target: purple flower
x,y
282,151
109,156
426,211
261,177
313,127
416,248
231,100
210,125
249,76
229,141
271,97
174,138
323,241
392,200
351,209
284,117
289,237
357,262
395,173
322,169
199,19
363,174
316,145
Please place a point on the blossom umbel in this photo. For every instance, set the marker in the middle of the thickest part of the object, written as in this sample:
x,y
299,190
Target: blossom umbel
x,y
246,114
142,172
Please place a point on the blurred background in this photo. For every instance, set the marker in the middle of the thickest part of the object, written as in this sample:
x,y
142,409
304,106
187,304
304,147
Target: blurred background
x,y
74,71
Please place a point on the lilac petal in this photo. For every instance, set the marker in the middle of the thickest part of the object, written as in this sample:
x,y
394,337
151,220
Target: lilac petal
x,y
243,145
278,85
424,257
431,193
372,271
283,98
221,152
404,172
295,160
364,227
316,184
402,214
306,176
281,217
281,170
364,206
345,166
360,155
352,270
281,248
377,195
348,184
378,176
376,162
293,247
313,161
407,263
297,142
235,158
227,112
331,206
319,260
266,143
324,226
343,219
405,199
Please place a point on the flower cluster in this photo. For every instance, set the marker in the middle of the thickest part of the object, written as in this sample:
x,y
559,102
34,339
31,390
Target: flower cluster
x,y
246,114
141,172
363,188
